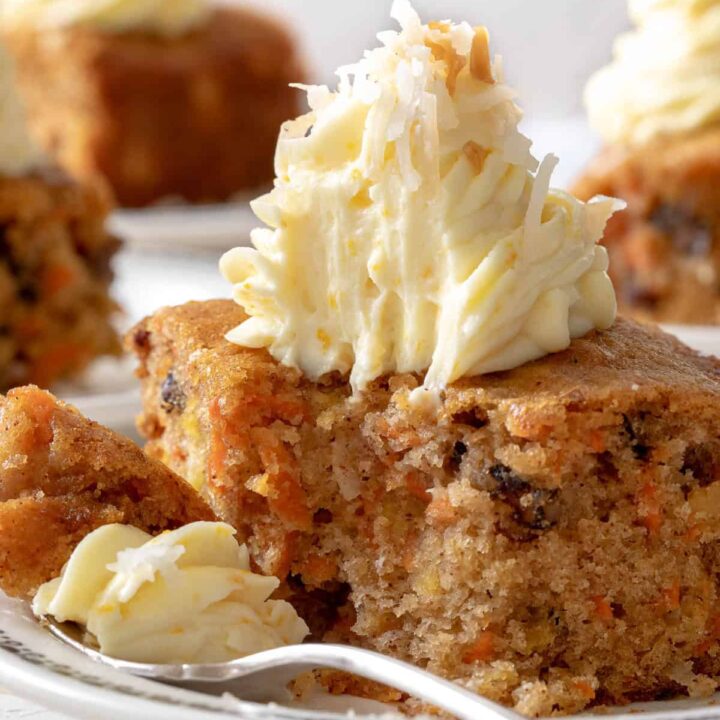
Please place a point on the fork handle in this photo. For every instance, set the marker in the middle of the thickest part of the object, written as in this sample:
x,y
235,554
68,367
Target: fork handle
x,y
448,696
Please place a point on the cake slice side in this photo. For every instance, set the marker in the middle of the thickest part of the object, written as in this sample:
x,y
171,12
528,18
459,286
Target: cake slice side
x,y
551,541
62,476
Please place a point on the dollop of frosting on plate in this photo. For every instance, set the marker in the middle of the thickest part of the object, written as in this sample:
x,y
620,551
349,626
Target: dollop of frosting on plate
x,y
165,17
411,230
186,596
665,76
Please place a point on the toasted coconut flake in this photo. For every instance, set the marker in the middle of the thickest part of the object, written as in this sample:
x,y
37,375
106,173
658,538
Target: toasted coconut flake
x,y
476,154
480,66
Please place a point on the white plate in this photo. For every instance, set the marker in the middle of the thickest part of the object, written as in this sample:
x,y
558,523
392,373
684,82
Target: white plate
x,y
183,228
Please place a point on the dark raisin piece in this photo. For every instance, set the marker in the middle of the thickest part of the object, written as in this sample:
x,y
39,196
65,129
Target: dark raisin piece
x,y
532,508
173,398
699,462
322,516
458,452
28,292
639,449
508,483
141,340
475,418
688,234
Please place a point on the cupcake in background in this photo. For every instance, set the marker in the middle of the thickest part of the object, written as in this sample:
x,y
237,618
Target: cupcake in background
x,y
168,99
657,108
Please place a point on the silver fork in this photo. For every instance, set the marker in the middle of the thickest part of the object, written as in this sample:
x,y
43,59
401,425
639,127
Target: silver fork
x,y
263,674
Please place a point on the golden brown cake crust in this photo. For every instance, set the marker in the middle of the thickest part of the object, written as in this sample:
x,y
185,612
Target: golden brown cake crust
x,y
195,116
62,476
551,540
55,309
665,248
596,367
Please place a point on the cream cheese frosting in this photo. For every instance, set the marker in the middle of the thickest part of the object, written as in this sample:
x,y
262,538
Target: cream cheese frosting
x,y
665,76
186,596
18,152
166,17
411,230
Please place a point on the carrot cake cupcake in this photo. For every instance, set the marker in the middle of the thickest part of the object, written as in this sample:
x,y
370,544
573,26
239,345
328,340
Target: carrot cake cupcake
x,y
657,107
424,418
164,99
55,308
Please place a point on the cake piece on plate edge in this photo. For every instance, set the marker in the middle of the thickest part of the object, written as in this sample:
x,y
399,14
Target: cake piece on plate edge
x,y
62,476
551,541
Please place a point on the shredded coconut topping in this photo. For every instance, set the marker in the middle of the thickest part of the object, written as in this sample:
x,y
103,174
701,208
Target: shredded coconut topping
x,y
407,231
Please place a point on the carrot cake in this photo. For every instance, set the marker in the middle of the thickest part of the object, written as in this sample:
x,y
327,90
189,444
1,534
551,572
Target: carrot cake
x,y
164,99
425,419
62,476
657,108
55,308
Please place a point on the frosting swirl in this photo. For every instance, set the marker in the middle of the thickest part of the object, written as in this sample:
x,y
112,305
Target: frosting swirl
x,y
665,76
411,230
166,17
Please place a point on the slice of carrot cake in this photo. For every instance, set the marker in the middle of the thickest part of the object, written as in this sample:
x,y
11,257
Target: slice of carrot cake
x,y
56,313
551,540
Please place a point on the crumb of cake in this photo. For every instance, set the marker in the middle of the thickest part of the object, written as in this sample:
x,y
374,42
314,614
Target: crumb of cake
x,y
62,476
549,542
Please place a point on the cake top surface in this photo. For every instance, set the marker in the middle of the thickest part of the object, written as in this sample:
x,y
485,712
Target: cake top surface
x,y
665,75
164,17
410,228
18,152
627,361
